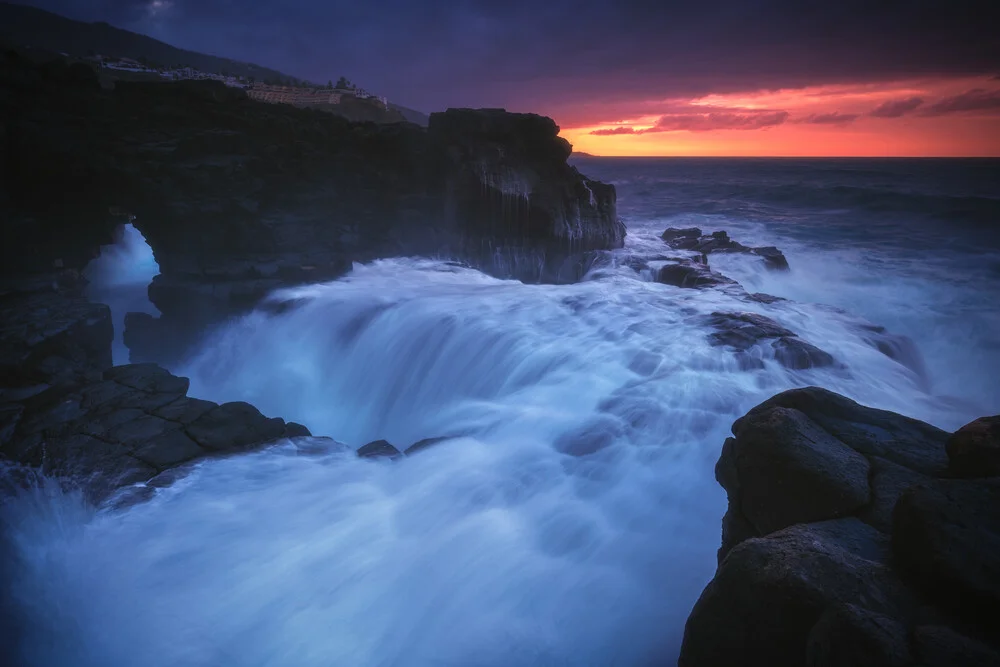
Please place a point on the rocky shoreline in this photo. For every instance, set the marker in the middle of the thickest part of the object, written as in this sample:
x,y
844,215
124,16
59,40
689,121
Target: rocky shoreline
x,y
854,536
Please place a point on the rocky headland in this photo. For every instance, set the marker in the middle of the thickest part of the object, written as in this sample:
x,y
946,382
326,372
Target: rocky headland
x,y
237,197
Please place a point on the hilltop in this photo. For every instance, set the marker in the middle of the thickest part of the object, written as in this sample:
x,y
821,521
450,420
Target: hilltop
x,y
42,35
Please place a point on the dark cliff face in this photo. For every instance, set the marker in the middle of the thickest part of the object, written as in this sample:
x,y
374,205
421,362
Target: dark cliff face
x,y
237,197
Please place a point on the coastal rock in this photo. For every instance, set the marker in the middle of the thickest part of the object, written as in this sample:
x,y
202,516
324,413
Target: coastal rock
x,y
686,273
126,426
51,335
744,331
692,238
377,450
237,197
974,449
946,541
845,544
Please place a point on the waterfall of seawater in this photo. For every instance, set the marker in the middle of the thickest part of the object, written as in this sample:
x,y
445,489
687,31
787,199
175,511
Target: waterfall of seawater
x,y
120,278
571,518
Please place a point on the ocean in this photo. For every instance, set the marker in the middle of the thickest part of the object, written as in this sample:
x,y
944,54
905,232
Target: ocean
x,y
572,516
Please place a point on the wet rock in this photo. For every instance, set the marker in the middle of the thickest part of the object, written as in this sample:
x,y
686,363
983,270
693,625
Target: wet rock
x,y
743,331
946,541
378,449
940,646
52,336
974,449
760,297
848,635
693,239
908,575
234,426
783,469
898,348
423,444
691,274
769,593
797,354
125,426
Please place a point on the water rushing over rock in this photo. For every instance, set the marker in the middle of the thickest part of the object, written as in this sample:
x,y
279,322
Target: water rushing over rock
x,y
569,516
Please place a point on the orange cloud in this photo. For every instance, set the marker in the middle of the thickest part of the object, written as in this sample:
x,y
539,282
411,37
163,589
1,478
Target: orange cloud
x,y
952,117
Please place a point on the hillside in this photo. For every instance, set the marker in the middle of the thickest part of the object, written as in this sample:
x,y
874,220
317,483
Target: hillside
x,y
51,34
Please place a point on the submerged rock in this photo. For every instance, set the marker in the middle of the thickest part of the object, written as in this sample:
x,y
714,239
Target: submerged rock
x,y
743,331
840,530
378,449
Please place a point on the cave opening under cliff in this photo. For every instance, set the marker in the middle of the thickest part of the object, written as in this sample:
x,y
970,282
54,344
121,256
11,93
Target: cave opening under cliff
x,y
120,277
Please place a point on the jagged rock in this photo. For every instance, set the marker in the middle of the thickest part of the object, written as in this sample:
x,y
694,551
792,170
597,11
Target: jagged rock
x,y
378,449
743,331
692,239
974,449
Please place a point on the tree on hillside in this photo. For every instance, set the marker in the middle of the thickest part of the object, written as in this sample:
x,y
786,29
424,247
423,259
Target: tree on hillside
x,y
329,85
344,84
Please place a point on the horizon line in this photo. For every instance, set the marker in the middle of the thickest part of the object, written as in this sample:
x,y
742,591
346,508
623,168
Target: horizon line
x,y
800,157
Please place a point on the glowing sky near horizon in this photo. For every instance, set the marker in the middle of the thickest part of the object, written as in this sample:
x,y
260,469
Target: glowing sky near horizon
x,y
667,77
951,117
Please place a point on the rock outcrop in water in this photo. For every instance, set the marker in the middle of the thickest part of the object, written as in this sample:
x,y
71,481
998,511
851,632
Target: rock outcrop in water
x,y
237,198
746,333
854,536
692,239
65,411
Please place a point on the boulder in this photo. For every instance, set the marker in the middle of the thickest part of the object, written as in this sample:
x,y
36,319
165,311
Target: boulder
x,y
844,544
946,542
686,273
782,469
378,449
769,593
974,449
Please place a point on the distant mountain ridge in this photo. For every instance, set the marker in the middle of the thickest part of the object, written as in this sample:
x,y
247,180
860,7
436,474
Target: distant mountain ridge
x,y
24,26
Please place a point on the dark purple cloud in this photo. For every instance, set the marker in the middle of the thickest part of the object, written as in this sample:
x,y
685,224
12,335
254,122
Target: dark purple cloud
x,y
976,99
559,56
835,118
896,108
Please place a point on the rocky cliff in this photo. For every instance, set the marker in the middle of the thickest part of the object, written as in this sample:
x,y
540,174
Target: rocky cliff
x,y
238,197
853,537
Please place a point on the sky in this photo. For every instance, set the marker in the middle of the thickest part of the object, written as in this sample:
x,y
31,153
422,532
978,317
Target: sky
x,y
698,77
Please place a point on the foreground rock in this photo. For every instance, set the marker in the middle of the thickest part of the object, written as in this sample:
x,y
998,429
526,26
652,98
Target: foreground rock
x,y
746,333
693,239
237,197
845,543
125,426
